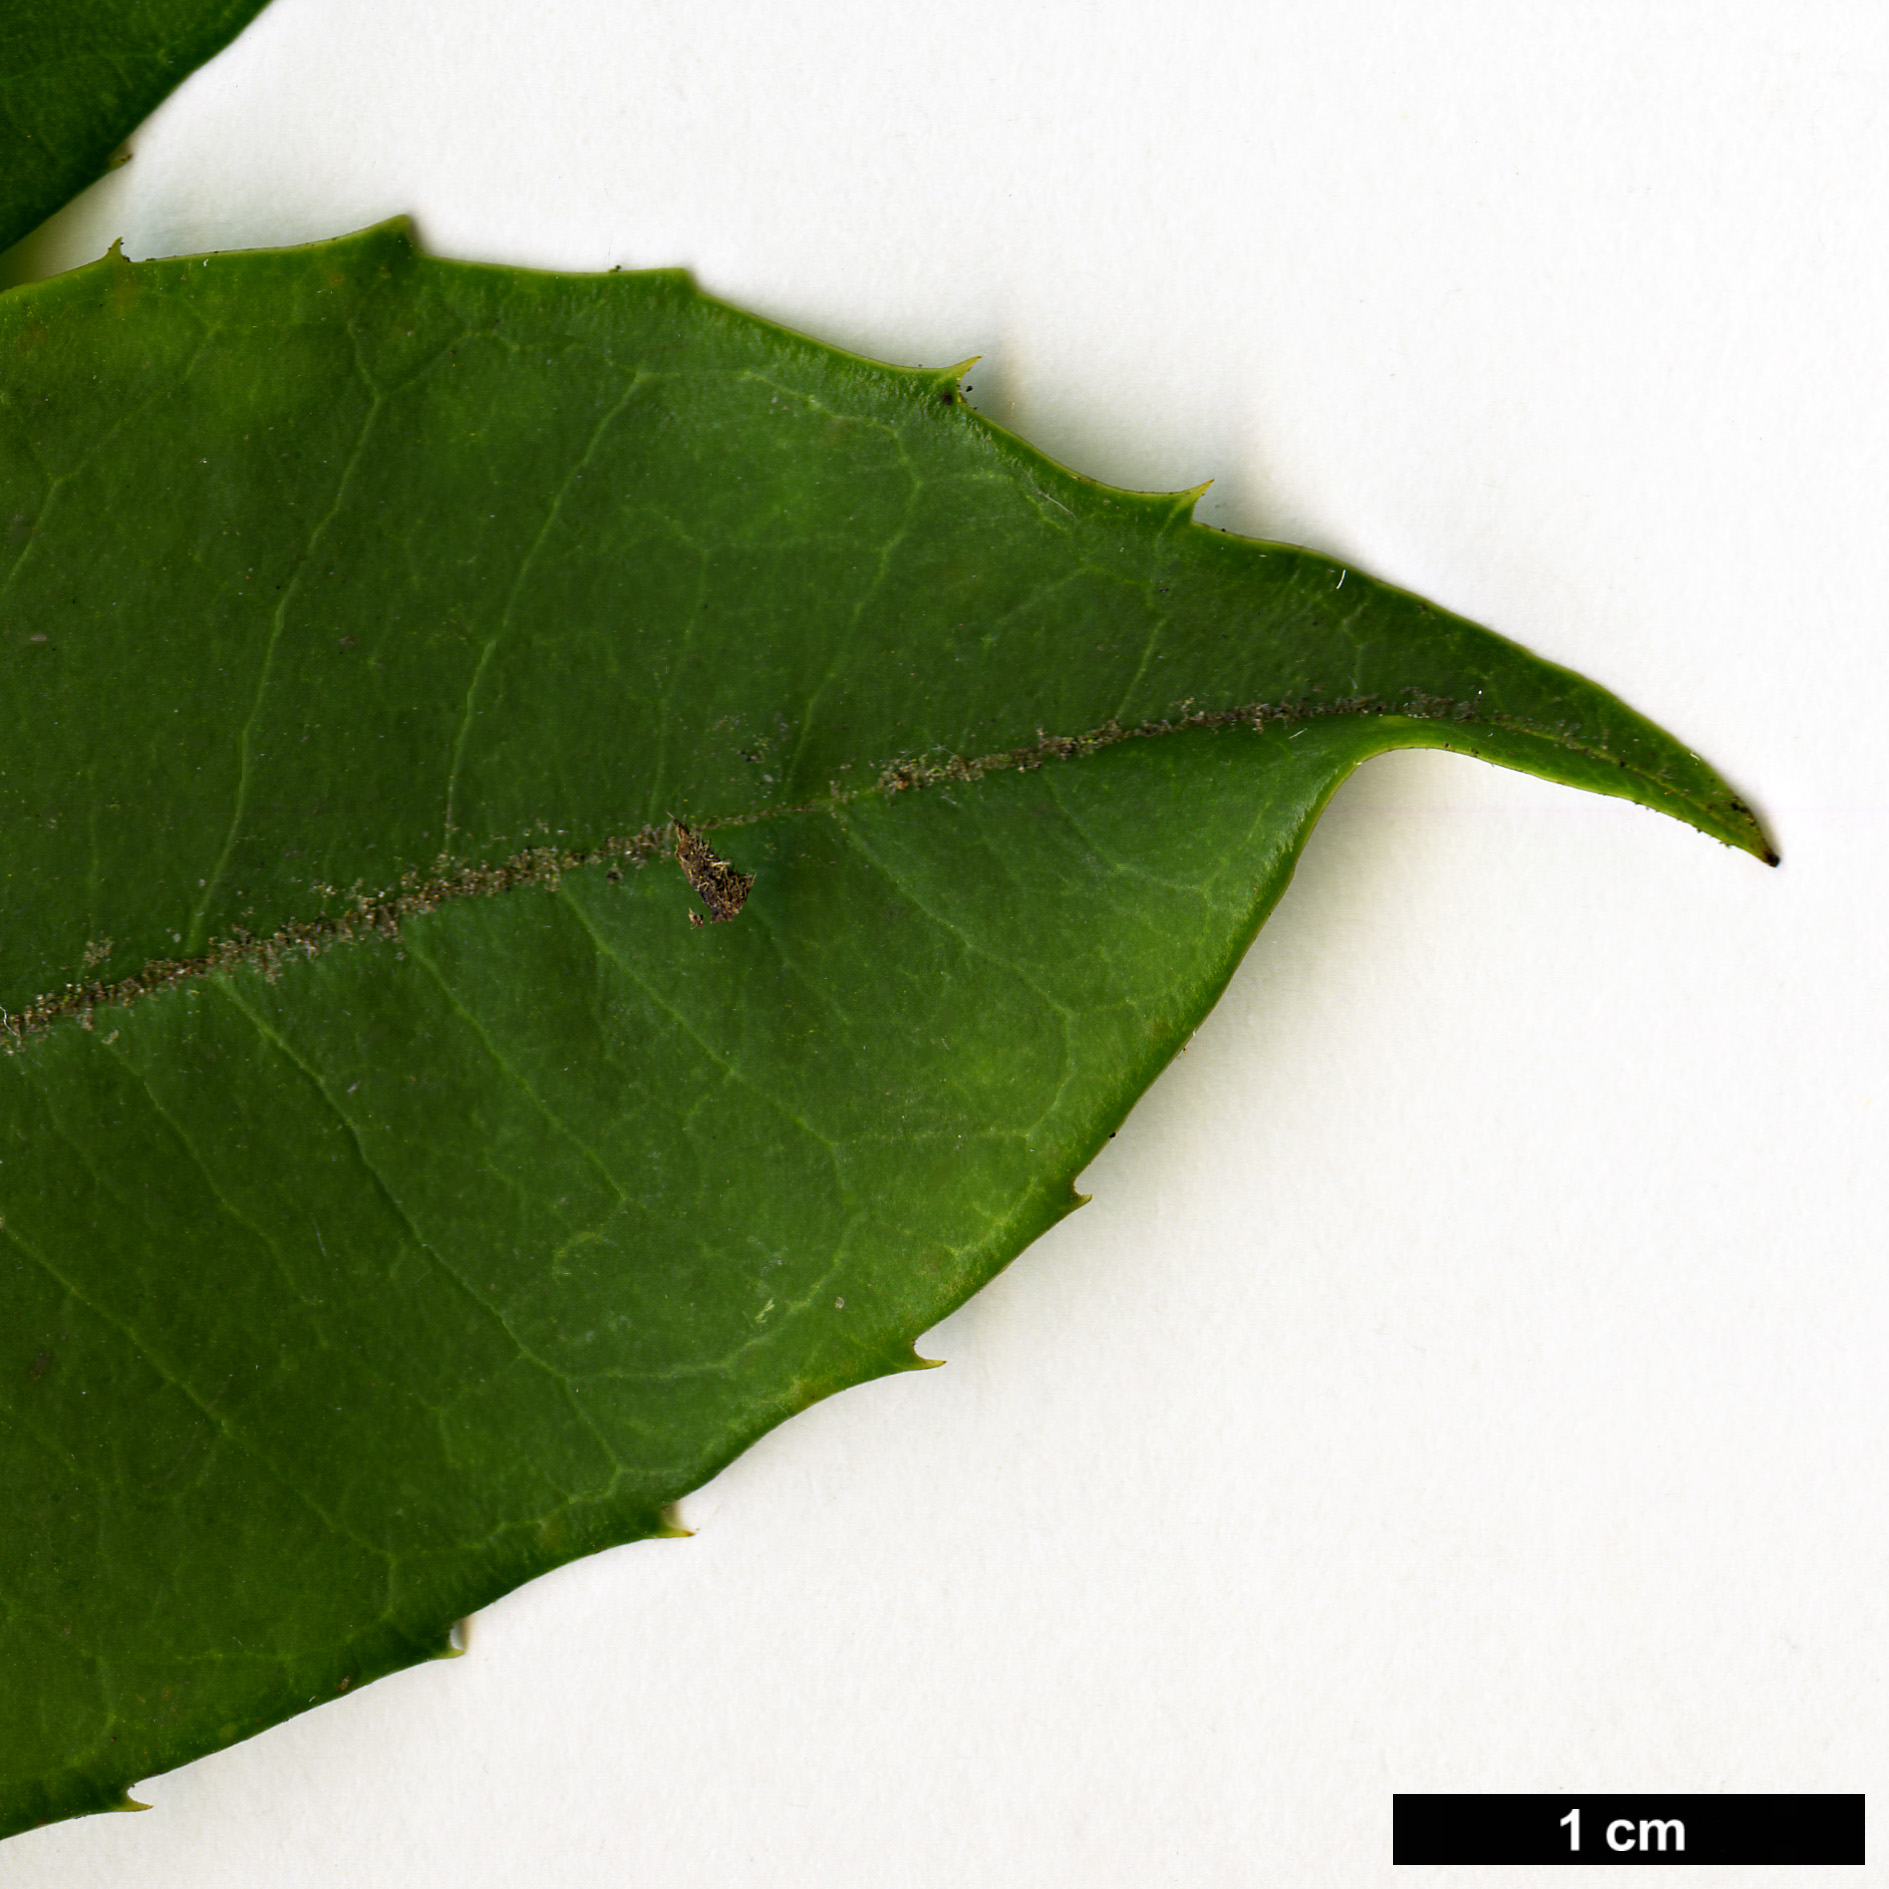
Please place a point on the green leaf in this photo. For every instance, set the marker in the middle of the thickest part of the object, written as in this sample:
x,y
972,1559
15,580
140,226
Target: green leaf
x,y
77,77
401,1196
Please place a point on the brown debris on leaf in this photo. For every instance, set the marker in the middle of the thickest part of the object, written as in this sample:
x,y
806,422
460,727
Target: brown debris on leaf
x,y
365,915
717,884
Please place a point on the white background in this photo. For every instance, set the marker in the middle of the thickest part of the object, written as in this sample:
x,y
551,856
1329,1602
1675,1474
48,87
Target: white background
x,y
1471,1372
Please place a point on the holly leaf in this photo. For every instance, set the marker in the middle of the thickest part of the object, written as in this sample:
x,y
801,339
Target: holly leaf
x,y
77,80
401,1195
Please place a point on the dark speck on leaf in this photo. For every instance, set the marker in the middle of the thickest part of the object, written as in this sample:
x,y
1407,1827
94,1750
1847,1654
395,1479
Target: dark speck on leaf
x,y
717,884
37,1370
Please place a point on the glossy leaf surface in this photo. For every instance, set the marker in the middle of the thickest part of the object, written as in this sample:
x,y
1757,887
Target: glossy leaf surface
x,y
77,77
355,1274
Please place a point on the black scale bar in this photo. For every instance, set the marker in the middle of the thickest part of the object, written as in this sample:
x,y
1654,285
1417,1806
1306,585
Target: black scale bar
x,y
1640,1829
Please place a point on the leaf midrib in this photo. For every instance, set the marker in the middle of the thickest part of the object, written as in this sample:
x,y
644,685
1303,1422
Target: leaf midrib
x,y
540,868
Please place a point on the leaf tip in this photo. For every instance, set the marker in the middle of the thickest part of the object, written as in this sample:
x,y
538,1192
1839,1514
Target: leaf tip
x,y
1758,844
1738,827
670,1525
